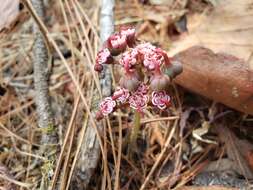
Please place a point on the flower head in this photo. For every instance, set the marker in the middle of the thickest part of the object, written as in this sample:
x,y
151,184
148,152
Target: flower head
x,y
145,48
152,57
130,35
138,101
163,54
152,61
129,59
147,72
116,43
121,95
107,106
143,89
160,99
104,57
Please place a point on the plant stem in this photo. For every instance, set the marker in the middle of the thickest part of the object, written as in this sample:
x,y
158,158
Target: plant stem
x,y
134,132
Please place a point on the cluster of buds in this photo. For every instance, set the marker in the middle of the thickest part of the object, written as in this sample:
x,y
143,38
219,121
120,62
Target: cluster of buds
x,y
147,73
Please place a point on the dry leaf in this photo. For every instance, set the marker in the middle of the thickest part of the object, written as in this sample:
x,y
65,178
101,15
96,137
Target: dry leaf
x,y
221,77
237,151
229,29
156,135
9,10
12,16
198,133
221,165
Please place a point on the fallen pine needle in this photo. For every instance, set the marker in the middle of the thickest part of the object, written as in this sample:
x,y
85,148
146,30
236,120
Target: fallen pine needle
x,y
144,121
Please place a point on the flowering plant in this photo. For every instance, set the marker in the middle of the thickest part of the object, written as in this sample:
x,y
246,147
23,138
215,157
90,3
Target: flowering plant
x,y
147,73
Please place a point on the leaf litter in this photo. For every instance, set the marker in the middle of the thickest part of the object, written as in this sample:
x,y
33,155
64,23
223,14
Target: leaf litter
x,y
172,150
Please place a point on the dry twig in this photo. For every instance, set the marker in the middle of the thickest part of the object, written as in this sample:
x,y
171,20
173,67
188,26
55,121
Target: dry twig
x,y
41,62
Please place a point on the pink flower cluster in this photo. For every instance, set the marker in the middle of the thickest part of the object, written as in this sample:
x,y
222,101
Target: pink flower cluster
x,y
137,100
143,81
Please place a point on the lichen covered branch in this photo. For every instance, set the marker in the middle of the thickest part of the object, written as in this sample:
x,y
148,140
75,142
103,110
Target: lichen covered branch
x,y
41,79
41,62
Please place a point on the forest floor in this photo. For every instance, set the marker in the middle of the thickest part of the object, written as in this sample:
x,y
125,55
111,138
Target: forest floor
x,y
196,144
